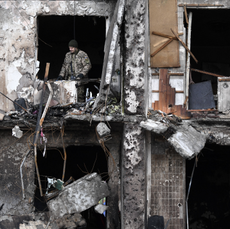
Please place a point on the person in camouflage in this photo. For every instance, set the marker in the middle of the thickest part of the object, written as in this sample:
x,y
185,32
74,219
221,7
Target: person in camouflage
x,y
76,66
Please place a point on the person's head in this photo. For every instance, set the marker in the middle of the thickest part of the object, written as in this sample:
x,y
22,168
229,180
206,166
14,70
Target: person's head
x,y
73,46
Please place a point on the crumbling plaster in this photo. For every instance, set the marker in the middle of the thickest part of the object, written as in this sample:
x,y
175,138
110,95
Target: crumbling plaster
x,y
134,59
18,35
133,177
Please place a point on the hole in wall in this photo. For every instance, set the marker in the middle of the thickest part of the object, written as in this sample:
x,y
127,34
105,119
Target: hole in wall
x,y
209,43
57,31
209,199
81,160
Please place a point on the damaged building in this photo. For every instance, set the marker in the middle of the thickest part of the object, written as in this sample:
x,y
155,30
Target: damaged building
x,y
149,147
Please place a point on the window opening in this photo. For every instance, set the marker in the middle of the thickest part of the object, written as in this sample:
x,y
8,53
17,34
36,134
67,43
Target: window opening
x,y
81,160
209,44
54,34
209,199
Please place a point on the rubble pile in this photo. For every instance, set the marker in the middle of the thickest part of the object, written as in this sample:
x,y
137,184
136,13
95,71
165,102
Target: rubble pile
x,y
55,112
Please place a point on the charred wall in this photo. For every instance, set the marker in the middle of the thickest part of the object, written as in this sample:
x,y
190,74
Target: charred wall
x,y
13,151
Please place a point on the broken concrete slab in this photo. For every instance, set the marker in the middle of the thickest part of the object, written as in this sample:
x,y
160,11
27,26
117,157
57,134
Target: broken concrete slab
x,y
187,141
79,196
154,126
71,221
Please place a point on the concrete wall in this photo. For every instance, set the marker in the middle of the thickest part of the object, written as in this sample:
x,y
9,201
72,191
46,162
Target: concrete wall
x,y
135,97
167,183
12,152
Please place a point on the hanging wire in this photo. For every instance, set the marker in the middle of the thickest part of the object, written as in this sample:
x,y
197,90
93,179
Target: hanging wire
x,y
189,188
74,22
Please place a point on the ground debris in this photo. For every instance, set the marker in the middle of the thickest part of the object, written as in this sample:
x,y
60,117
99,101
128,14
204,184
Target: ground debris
x,y
71,221
33,225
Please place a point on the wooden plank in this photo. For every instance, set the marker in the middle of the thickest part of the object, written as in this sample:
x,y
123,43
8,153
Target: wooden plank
x,y
163,88
162,47
200,5
157,91
207,73
185,14
156,105
169,99
163,16
170,73
224,80
185,46
165,35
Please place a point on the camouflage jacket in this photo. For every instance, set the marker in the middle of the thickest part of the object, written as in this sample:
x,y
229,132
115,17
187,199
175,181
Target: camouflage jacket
x,y
80,65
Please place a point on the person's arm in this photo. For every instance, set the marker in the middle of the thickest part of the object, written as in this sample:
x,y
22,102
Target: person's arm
x,y
86,64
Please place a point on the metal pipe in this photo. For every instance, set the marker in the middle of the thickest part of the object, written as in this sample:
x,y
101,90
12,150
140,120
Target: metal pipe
x,y
47,104
65,154
189,187
23,190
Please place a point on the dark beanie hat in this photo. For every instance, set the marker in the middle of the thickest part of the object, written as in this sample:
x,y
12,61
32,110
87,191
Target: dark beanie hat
x,y
73,43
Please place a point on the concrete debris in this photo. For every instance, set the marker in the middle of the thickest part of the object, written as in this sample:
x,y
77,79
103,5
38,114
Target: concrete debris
x,y
78,196
187,141
102,129
33,225
100,208
16,132
64,92
71,221
154,126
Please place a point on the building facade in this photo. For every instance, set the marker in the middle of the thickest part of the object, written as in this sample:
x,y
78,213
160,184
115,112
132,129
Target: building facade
x,y
165,64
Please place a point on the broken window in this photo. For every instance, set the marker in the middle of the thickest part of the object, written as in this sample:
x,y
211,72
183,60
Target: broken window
x,y
54,34
209,44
